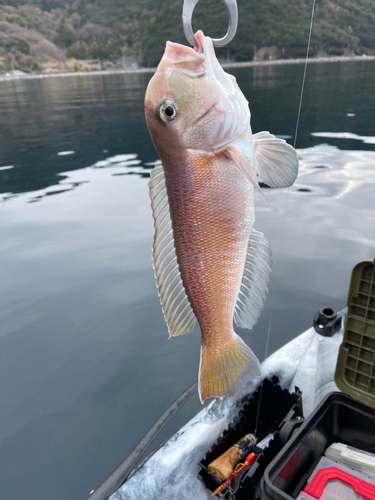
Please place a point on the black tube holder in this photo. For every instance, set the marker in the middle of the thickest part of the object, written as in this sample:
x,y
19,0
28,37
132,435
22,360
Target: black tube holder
x,y
327,322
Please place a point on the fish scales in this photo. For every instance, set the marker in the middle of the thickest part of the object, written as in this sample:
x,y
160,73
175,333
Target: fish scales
x,y
211,224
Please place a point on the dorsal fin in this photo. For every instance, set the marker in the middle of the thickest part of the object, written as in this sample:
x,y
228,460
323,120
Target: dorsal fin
x,y
176,307
254,287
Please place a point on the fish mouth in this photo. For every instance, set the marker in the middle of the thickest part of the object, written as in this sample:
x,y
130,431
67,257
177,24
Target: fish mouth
x,y
184,57
199,42
204,47
188,59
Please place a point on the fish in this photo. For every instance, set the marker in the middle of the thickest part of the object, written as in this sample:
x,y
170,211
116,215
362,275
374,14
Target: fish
x,y
210,264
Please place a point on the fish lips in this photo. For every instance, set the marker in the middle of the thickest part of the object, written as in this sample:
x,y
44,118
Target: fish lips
x,y
195,61
187,63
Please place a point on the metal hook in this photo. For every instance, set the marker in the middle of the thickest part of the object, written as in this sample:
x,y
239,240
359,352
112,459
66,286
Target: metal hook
x,y
187,13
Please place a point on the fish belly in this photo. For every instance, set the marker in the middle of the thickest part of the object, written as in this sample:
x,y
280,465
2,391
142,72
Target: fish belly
x,y
211,206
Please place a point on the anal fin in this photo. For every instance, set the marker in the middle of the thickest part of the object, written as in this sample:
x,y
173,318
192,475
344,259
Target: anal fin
x,y
254,286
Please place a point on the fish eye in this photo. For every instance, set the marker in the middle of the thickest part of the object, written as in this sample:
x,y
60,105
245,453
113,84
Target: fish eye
x,y
167,110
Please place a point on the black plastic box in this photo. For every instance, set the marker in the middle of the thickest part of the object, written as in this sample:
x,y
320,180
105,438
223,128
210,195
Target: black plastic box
x,y
279,412
339,418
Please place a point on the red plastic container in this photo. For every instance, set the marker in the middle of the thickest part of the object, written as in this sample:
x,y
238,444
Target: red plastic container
x,y
323,476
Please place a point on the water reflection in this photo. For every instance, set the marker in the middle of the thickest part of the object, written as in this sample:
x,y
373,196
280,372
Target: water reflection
x,y
95,116
341,172
346,170
345,135
118,165
126,160
65,153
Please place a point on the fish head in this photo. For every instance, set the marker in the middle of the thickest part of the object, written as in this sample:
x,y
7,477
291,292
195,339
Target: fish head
x,y
191,103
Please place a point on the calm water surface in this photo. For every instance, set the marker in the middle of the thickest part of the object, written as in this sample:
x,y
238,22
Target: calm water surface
x,y
85,365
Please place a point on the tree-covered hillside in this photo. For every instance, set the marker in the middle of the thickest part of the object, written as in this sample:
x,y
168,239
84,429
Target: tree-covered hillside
x,y
41,35
340,27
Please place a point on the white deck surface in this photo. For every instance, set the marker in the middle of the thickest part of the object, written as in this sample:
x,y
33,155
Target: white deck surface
x,y
307,362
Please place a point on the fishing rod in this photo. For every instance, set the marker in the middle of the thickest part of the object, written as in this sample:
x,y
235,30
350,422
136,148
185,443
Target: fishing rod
x,y
118,477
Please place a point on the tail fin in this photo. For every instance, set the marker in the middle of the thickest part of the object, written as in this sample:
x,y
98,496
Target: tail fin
x,y
225,368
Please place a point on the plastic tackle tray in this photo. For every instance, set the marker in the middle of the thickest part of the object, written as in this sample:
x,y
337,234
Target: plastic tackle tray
x,y
278,412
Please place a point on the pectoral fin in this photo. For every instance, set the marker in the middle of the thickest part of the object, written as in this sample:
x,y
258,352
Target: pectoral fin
x,y
275,160
244,165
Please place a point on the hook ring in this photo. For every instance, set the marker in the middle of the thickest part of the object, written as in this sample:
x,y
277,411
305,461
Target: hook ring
x,y
187,13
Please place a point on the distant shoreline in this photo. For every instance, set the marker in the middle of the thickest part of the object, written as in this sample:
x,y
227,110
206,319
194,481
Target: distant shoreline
x,y
28,76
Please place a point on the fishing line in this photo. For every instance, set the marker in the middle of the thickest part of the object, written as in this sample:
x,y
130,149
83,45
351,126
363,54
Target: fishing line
x,y
304,74
285,205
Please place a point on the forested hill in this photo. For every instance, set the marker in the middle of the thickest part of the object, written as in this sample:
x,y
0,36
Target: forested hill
x,y
46,35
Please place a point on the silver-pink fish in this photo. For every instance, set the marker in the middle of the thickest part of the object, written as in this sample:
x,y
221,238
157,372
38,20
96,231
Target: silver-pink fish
x,y
210,263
